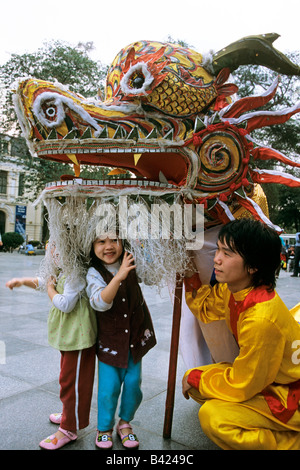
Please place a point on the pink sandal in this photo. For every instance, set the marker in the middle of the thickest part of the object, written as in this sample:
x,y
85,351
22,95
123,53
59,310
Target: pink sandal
x,y
55,418
52,443
130,441
104,441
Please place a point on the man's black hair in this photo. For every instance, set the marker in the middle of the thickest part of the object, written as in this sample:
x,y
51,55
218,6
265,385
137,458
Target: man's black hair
x,y
258,244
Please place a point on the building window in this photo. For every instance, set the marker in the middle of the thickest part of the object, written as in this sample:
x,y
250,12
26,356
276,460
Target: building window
x,y
21,188
3,182
3,147
2,222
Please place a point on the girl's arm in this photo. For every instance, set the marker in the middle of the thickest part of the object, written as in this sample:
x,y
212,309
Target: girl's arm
x,y
32,282
109,292
51,289
65,302
96,285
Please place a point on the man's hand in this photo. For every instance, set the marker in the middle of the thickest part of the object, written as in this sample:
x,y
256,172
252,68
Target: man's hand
x,y
185,387
191,268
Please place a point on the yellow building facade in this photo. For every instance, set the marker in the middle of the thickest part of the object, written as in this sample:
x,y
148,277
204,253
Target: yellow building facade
x,y
17,213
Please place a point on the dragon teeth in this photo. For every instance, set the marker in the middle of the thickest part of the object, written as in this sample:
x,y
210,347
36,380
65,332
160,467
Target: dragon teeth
x,y
111,182
162,178
120,133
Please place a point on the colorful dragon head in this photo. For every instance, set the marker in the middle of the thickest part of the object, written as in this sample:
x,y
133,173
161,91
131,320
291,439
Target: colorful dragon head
x,y
169,118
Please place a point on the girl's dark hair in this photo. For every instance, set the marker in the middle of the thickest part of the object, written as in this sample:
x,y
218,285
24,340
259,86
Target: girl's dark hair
x,y
258,244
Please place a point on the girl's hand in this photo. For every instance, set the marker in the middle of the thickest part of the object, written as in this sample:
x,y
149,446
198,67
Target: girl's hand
x,y
15,282
23,281
126,266
109,292
51,281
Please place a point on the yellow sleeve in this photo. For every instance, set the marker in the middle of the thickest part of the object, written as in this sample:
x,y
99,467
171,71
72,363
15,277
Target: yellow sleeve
x,y
209,302
295,311
257,365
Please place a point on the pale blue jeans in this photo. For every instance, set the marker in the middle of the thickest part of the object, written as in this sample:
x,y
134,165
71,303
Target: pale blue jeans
x,y
113,382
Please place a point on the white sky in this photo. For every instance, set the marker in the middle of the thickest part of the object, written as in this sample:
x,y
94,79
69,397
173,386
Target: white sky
x,y
113,24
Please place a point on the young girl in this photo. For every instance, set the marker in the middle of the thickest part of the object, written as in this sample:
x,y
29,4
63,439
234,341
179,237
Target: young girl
x,y
71,329
125,335
252,403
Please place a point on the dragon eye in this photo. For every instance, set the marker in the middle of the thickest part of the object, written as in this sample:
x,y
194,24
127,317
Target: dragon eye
x,y
50,110
137,81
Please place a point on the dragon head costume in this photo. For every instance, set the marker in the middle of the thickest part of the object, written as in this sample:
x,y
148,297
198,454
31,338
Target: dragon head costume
x,y
172,120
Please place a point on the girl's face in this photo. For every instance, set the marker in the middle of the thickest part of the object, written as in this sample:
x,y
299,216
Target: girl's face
x,y
230,268
108,250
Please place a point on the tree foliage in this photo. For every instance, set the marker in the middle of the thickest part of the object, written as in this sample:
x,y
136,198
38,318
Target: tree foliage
x,y
284,202
12,240
55,60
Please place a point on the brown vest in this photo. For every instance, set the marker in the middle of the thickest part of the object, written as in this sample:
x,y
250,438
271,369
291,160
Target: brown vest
x,y
126,326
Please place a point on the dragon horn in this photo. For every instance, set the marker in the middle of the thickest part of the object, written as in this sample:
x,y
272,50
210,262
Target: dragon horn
x,y
255,50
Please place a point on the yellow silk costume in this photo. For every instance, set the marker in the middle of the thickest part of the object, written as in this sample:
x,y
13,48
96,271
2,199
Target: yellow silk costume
x,y
252,403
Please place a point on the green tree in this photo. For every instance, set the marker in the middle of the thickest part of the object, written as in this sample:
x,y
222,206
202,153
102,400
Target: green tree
x,y
289,204
71,66
284,202
12,240
55,60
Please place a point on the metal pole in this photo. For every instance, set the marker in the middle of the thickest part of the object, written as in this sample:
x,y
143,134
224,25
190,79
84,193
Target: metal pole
x,y
173,358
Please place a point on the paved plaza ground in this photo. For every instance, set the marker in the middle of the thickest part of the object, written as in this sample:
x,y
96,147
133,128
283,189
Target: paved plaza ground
x,y
29,370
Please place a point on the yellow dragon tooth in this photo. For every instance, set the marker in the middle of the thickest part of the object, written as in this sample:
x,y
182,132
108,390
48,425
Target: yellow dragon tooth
x,y
74,160
136,157
62,129
116,171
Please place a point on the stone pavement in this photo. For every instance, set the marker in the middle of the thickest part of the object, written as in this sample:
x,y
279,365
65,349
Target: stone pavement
x,y
29,369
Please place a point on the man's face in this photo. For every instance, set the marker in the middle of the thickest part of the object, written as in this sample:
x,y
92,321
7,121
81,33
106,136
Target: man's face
x,y
230,268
